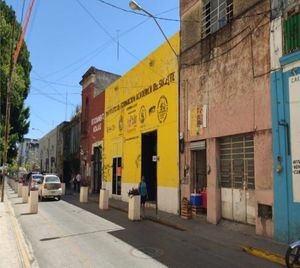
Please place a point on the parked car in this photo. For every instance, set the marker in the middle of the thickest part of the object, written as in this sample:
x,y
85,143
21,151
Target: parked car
x,y
35,180
50,187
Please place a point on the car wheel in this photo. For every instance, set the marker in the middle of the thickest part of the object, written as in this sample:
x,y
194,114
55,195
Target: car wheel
x,y
58,198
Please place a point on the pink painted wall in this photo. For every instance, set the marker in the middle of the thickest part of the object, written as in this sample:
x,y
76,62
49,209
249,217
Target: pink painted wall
x,y
229,72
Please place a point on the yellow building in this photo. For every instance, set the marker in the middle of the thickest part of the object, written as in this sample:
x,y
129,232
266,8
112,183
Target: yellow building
x,y
141,129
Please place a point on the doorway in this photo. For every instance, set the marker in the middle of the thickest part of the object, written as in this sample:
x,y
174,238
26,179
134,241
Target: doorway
x,y
199,170
149,163
237,178
117,176
97,167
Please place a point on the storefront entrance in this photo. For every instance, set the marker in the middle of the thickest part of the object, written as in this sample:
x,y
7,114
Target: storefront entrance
x,y
149,163
199,178
97,168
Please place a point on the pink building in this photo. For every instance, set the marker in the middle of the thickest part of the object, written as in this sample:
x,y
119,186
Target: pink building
x,y
225,109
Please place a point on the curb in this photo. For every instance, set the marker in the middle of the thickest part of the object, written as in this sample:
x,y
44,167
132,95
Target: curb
x,y
264,254
153,219
27,258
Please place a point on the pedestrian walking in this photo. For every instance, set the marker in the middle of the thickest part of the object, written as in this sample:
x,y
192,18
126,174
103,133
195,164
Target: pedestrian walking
x,y
78,181
143,193
73,180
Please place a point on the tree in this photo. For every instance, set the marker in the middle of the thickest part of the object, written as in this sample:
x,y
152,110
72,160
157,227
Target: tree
x,y
10,31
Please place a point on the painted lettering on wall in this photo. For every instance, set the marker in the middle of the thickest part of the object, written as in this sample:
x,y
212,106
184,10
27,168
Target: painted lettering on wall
x,y
294,103
96,122
143,93
296,167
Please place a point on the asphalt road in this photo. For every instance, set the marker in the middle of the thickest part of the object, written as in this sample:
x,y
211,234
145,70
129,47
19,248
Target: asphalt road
x,y
63,234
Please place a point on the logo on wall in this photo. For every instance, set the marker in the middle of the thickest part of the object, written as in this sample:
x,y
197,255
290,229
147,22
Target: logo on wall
x,y
143,113
162,109
121,123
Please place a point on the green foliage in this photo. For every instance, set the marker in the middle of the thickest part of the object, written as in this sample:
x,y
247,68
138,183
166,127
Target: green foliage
x,y
13,168
19,124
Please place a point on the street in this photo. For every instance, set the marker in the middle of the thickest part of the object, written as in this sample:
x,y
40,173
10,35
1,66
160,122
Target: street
x,y
65,235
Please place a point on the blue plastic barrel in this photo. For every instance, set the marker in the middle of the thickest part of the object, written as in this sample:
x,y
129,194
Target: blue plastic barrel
x,y
196,199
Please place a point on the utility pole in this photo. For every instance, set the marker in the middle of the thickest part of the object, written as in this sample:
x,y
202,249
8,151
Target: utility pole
x,y
9,88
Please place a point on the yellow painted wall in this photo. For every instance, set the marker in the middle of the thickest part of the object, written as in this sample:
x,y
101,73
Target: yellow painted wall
x,y
143,91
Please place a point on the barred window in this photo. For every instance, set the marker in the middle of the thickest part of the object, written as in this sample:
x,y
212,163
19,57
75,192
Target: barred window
x,y
215,15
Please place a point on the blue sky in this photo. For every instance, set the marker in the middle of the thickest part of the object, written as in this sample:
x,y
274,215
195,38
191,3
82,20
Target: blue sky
x,y
66,37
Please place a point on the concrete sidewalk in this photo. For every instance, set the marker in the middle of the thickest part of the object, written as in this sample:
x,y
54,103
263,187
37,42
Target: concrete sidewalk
x,y
227,233
14,251
10,243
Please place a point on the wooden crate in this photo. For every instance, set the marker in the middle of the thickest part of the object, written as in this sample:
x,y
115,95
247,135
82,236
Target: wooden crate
x,y
186,209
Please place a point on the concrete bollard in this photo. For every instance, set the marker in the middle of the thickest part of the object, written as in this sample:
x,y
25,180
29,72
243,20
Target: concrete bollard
x,y
33,201
15,186
20,185
25,194
84,194
63,188
134,208
103,199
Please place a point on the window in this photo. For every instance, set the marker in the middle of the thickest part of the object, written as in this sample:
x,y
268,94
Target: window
x,y
237,162
117,175
216,14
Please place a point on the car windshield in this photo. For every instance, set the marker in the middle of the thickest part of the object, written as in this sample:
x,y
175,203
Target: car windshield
x,y
52,179
37,177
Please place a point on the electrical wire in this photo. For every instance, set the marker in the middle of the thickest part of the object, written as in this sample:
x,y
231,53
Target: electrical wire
x,y
227,41
23,7
134,12
39,117
89,56
176,20
114,39
52,98
54,83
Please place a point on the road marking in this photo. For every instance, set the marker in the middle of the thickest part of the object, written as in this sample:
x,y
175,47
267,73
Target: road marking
x,y
70,246
264,254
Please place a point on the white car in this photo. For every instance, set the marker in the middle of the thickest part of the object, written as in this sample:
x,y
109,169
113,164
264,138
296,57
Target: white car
x,y
50,186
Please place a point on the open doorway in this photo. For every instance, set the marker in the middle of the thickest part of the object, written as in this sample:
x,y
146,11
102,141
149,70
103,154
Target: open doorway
x,y
97,167
149,164
199,182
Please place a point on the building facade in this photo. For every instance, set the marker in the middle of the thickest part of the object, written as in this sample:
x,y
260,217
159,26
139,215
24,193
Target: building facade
x,y
28,153
141,130
71,148
93,84
225,109
51,151
285,86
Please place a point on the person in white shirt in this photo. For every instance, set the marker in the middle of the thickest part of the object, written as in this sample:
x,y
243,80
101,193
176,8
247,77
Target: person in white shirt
x,y
78,180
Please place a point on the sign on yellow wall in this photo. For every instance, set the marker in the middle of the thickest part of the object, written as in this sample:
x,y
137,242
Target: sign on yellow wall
x,y
144,100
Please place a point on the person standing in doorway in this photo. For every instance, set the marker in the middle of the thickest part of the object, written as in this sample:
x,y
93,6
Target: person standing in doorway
x,y
78,181
143,193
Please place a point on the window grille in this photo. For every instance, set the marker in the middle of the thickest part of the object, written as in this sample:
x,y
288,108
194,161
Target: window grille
x,y
216,14
237,162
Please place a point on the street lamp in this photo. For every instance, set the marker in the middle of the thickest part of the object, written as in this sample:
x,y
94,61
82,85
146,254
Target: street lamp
x,y
135,6
37,129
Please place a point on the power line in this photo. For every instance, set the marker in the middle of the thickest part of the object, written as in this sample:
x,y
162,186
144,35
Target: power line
x,y
95,52
111,37
51,97
175,20
55,83
136,13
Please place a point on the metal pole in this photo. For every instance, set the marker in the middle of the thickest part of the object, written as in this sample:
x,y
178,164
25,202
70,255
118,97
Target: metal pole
x,y
9,87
